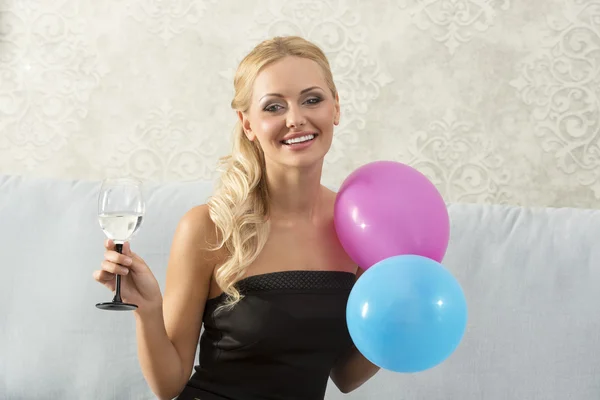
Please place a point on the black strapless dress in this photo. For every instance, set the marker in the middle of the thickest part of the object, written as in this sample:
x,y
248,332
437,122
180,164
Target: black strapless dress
x,y
278,343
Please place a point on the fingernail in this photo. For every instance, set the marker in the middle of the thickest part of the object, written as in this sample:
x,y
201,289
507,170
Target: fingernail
x,y
124,271
128,261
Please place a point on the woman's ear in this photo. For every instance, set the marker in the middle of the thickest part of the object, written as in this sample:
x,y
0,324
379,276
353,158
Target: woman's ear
x,y
246,125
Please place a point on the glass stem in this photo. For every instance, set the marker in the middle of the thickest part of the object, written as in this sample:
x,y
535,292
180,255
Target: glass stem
x,y
117,298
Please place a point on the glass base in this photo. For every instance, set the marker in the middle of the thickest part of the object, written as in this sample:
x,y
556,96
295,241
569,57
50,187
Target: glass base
x,y
116,306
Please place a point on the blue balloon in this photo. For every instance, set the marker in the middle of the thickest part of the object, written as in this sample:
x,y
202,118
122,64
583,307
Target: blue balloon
x,y
406,313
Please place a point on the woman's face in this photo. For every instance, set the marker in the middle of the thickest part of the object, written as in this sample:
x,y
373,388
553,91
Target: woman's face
x,y
292,113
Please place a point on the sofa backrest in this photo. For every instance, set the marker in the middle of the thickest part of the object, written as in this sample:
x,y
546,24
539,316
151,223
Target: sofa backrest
x,y
531,278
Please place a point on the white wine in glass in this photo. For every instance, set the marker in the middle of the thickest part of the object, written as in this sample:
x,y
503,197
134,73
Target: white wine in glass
x,y
120,212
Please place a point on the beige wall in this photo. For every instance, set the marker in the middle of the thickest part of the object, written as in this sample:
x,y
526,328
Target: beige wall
x,y
495,100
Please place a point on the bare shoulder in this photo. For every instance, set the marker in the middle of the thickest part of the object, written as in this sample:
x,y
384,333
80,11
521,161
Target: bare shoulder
x,y
193,255
198,235
196,224
344,260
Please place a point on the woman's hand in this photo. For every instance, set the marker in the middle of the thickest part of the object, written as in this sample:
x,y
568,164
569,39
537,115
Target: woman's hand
x,y
138,284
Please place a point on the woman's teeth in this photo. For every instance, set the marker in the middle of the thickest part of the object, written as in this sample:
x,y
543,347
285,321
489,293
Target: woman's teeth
x,y
299,139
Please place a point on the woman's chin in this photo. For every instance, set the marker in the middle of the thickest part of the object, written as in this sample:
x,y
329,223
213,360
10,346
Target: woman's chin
x,y
304,161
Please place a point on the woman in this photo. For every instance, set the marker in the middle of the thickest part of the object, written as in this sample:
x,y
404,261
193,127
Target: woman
x,y
260,264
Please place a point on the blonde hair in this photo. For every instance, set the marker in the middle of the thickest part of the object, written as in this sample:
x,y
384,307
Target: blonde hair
x,y
239,206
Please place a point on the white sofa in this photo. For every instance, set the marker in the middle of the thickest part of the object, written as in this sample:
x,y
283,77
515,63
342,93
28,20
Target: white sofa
x,y
531,278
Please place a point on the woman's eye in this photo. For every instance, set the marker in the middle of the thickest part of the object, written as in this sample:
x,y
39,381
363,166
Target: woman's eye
x,y
276,107
273,108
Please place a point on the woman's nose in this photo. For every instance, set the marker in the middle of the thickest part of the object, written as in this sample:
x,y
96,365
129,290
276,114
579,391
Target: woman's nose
x,y
295,118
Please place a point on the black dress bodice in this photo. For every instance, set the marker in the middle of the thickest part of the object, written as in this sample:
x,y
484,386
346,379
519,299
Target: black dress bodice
x,y
279,342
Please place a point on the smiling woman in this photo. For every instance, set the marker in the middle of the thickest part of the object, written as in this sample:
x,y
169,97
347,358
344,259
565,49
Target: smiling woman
x,y
294,107
260,265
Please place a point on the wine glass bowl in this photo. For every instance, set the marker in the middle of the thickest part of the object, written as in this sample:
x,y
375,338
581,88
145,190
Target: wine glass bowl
x,y
121,210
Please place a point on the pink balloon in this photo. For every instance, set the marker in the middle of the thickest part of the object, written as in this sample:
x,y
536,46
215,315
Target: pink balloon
x,y
385,209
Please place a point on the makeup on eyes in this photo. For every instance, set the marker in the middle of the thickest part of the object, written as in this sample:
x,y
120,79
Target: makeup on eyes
x,y
314,97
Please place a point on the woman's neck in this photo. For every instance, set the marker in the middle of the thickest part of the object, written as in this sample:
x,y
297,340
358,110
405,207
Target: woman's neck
x,y
295,194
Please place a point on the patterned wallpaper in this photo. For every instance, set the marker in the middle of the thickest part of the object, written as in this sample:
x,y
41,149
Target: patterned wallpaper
x,y
496,101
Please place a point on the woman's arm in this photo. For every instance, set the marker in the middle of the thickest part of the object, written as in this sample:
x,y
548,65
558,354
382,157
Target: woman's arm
x,y
352,370
167,337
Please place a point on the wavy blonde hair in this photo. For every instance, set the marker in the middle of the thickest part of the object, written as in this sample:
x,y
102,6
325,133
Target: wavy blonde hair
x,y
239,206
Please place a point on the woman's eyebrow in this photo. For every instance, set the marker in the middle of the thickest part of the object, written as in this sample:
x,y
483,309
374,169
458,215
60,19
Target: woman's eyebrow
x,y
302,92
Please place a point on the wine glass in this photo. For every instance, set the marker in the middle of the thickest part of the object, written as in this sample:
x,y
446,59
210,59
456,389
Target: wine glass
x,y
120,212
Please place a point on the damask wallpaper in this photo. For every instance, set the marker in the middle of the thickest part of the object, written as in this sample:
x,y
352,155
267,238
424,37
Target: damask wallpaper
x,y
496,101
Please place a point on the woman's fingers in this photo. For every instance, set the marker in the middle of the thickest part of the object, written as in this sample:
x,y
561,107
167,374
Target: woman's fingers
x,y
109,244
117,258
105,278
137,263
113,268
128,253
